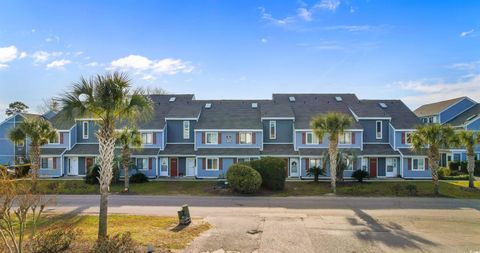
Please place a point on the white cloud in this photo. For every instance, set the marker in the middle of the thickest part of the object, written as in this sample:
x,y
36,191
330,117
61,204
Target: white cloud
x,y
59,64
305,14
432,92
466,33
466,65
43,56
52,38
349,28
269,18
330,5
142,65
23,55
78,53
148,78
263,40
92,64
8,54
3,66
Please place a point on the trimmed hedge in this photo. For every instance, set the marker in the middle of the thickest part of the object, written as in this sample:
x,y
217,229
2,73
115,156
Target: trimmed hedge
x,y
272,171
244,179
360,175
138,178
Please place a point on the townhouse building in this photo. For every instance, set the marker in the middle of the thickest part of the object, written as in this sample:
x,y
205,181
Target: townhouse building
x,y
186,137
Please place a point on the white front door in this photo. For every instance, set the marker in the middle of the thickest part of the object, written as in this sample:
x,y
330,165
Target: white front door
x,y
391,170
294,167
73,166
190,167
164,167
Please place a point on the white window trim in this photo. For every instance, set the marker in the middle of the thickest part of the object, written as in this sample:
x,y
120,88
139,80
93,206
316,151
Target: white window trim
x,y
345,143
216,138
85,135
364,163
313,139
143,160
57,139
349,166
48,161
186,129
313,159
145,138
381,130
272,123
211,169
407,139
419,159
245,133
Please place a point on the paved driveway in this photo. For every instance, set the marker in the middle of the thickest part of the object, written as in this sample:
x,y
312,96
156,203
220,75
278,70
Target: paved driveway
x,y
313,224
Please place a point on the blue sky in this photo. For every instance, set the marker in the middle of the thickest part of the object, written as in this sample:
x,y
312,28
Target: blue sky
x,y
419,51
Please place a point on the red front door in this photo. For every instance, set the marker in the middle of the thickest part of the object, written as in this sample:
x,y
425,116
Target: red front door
x,y
373,167
173,167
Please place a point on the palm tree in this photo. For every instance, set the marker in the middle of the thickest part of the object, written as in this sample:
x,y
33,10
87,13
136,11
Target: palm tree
x,y
39,132
469,139
332,124
434,137
128,138
109,99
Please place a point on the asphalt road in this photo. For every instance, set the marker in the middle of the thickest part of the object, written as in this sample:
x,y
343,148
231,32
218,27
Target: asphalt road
x,y
311,224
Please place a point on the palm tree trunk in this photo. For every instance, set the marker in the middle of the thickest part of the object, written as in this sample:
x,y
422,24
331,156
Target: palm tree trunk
x,y
125,164
34,165
471,169
106,140
433,158
333,152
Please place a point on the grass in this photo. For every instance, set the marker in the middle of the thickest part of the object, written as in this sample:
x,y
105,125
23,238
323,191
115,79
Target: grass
x,y
449,189
161,232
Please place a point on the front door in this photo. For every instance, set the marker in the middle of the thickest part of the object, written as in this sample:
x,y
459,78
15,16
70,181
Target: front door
x,y
164,167
294,167
190,167
173,167
391,167
373,167
72,166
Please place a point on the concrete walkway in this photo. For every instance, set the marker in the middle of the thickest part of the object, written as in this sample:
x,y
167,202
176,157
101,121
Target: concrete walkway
x,y
312,224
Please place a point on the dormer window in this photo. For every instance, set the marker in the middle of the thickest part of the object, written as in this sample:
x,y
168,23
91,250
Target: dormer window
x,y
85,130
338,99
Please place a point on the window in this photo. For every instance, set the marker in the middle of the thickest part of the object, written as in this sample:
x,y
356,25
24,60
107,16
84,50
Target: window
x,y
55,140
147,138
186,129
242,160
418,164
47,163
349,162
212,138
364,163
212,164
142,163
246,138
345,138
391,164
273,129
85,130
408,138
316,162
378,129
311,138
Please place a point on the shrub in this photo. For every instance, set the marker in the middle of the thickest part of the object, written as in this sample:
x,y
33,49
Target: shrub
x,y
457,177
244,179
22,171
443,172
412,189
360,175
272,171
121,243
138,178
94,172
54,240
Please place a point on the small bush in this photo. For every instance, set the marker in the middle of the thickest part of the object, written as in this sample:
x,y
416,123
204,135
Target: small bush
x,y
22,171
456,177
443,172
121,243
54,240
244,179
138,178
272,171
360,175
94,172
412,189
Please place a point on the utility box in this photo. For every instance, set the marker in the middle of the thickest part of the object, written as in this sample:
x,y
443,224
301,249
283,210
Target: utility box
x,y
184,216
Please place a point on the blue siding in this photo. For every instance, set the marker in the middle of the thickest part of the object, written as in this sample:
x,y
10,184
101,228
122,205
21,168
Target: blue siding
x,y
202,173
182,166
232,144
346,173
7,149
81,166
381,168
391,135
66,141
475,125
175,131
73,136
455,110
414,174
324,144
50,172
284,131
398,141
92,130
369,131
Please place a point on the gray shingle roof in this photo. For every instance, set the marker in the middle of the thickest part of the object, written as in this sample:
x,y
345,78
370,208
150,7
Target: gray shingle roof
x,y
178,149
278,149
51,151
435,108
276,109
410,152
229,151
140,151
468,114
230,114
378,149
321,151
83,149
402,116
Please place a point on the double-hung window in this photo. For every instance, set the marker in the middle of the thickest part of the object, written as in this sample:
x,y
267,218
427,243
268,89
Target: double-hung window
x,y
147,138
364,163
212,138
349,163
142,163
47,163
246,138
186,129
345,138
212,164
311,138
378,129
273,129
418,164
85,130
55,140
316,162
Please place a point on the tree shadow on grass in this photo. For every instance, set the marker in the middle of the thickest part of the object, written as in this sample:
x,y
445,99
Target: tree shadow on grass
x,y
392,235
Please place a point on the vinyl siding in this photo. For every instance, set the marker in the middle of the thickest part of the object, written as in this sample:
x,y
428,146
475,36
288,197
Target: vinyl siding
x,y
346,173
324,144
455,110
92,130
202,173
175,131
284,131
224,144
475,125
414,174
369,131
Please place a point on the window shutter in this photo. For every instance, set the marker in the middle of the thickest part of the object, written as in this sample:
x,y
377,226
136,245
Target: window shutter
x,y
304,138
203,137
61,138
238,138
54,163
154,136
254,138
426,163
204,163
220,163
403,138
307,164
150,163
353,137
286,167
409,161
219,138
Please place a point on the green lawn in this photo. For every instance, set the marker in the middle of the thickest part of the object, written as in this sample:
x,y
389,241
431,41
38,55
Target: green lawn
x,y
450,189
